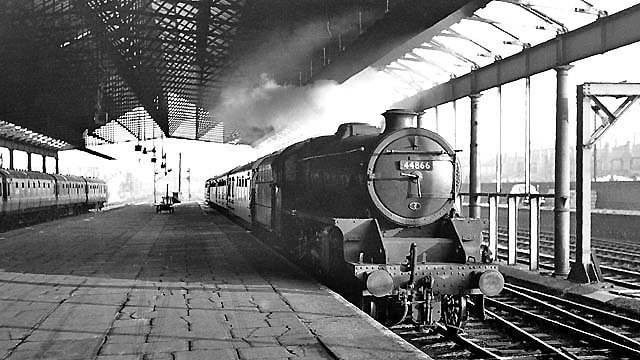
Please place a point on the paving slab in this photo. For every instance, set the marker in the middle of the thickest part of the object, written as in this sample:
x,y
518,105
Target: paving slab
x,y
133,284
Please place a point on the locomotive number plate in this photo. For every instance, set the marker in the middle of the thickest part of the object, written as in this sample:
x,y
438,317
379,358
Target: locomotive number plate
x,y
424,165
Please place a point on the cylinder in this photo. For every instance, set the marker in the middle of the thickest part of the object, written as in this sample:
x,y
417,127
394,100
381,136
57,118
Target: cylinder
x,y
562,174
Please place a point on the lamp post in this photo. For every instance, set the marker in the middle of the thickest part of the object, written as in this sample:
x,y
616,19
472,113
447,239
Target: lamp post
x,y
189,180
155,173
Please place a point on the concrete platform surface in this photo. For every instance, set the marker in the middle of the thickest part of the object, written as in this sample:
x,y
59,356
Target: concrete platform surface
x,y
133,284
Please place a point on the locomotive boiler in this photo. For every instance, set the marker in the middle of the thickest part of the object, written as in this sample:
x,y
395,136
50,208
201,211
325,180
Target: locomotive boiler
x,y
372,213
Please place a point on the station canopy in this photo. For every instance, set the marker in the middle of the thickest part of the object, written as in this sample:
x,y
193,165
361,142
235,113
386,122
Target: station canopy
x,y
476,37
104,71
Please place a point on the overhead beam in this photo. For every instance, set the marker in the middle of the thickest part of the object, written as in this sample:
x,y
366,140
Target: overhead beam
x,y
605,34
401,23
430,33
95,153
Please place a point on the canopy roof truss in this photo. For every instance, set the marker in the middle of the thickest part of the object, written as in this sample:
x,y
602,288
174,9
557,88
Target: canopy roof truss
x,y
111,56
596,33
487,36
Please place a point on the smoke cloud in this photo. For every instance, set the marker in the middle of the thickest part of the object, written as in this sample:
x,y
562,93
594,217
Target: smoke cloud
x,y
266,109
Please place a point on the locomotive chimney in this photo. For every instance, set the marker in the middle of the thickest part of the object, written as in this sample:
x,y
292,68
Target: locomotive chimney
x,y
396,119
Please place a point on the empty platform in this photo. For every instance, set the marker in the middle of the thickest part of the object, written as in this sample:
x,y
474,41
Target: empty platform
x,y
132,284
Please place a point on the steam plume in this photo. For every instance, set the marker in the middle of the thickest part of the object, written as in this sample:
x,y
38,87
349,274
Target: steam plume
x,y
315,109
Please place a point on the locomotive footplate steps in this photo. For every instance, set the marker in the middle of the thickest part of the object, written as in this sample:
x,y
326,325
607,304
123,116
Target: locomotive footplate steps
x,y
133,284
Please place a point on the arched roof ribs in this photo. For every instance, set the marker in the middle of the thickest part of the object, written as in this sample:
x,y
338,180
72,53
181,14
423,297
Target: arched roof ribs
x,y
437,46
514,39
529,7
486,51
412,56
604,34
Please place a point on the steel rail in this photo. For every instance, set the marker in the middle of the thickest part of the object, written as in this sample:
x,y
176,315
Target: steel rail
x,y
622,283
468,344
579,319
599,240
576,305
608,278
616,271
541,319
602,246
622,271
619,271
608,249
529,336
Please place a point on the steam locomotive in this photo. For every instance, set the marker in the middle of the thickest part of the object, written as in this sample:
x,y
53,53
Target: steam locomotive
x,y
33,196
372,213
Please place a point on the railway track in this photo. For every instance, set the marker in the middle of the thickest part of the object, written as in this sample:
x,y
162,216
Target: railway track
x,y
522,323
619,262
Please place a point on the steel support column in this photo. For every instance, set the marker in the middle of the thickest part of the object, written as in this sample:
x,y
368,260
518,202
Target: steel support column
x,y
29,161
562,174
57,165
527,135
499,151
585,269
44,163
581,270
474,184
11,159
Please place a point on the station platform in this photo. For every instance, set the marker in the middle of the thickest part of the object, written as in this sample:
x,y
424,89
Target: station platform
x,y
602,294
133,284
